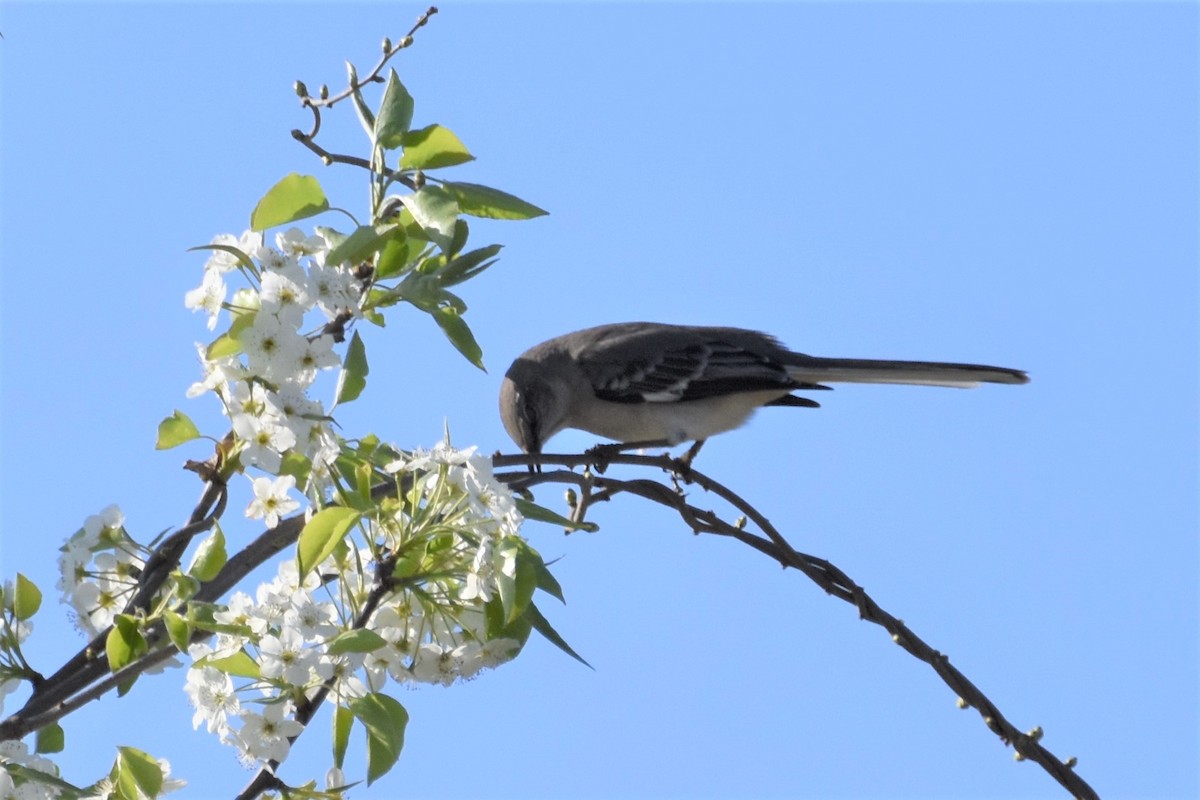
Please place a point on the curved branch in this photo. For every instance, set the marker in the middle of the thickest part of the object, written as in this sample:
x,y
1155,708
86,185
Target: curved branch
x,y
772,543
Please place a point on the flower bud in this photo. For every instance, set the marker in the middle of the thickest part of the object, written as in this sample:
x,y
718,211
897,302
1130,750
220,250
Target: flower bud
x,y
387,45
301,89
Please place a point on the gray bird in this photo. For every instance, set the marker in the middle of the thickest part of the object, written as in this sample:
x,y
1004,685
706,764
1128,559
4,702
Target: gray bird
x,y
646,384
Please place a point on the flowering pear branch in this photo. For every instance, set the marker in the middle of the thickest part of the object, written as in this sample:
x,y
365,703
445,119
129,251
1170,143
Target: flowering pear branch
x,y
409,565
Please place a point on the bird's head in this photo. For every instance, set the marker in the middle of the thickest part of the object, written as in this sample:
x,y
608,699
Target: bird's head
x,y
531,406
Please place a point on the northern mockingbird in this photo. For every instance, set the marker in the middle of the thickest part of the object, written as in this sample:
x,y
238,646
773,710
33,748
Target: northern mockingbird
x,y
645,384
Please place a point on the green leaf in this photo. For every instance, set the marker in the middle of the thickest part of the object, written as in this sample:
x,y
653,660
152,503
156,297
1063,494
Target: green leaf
x,y
322,535
360,105
462,232
224,345
359,640
362,244
230,342
138,774
27,598
385,720
295,197
51,739
353,377
175,430
548,583
518,630
178,629
524,585
210,557
484,201
343,721
240,665
545,580
459,334
432,147
395,114
124,643
533,511
297,465
426,293
543,626
332,236
468,265
435,210
410,560
394,259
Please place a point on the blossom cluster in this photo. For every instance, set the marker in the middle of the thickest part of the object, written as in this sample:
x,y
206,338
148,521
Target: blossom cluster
x,y
99,570
16,754
263,374
456,532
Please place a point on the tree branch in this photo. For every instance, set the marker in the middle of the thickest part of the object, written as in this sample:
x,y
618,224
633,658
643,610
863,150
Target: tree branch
x,y
772,543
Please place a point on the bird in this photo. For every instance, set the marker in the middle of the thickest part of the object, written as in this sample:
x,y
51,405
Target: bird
x,y
648,384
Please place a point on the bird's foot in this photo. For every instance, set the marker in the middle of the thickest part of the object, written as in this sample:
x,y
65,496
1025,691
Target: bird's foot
x,y
682,466
602,455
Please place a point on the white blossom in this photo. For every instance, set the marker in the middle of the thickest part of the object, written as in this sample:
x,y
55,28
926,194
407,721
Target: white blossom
x,y
264,737
266,440
208,296
211,693
296,244
271,500
273,347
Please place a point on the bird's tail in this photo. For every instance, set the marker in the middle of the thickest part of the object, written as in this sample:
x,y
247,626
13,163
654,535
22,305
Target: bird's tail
x,y
811,369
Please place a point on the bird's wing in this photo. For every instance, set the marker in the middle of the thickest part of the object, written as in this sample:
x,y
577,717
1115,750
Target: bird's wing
x,y
666,365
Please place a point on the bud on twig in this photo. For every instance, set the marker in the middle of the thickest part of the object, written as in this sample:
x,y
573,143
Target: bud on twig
x,y
301,89
387,45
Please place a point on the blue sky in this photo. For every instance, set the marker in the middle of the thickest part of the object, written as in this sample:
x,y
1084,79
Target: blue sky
x,y
1009,183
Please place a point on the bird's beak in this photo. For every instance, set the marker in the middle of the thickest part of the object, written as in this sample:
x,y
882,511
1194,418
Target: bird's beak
x,y
534,449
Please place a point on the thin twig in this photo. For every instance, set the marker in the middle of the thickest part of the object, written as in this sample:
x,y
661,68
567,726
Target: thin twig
x,y
315,104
